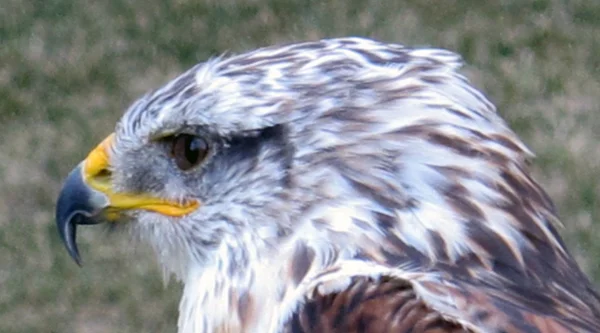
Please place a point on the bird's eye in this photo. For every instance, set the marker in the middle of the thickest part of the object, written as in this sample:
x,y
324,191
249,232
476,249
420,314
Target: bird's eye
x,y
188,150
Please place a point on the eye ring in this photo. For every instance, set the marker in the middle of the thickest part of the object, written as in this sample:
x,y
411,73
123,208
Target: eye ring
x,y
188,150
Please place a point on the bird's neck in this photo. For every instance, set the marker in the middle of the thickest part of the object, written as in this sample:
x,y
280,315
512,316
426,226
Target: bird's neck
x,y
242,291
251,288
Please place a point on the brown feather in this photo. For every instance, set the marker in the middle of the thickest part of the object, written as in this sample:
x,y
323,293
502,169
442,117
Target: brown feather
x,y
389,305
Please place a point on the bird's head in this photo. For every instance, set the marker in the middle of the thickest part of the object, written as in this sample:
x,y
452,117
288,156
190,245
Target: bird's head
x,y
189,166
322,141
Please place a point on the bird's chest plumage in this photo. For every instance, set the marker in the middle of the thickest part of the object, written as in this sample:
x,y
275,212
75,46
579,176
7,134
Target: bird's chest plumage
x,y
213,303
261,295
220,299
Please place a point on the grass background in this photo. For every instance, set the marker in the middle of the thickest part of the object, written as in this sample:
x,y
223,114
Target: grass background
x,y
68,69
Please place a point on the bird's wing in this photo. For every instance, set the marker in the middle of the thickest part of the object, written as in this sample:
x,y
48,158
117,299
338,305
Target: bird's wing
x,y
433,302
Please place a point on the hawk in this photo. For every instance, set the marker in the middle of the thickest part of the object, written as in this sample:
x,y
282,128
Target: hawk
x,y
342,185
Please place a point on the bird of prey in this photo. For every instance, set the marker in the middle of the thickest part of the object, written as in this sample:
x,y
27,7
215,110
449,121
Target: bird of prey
x,y
341,185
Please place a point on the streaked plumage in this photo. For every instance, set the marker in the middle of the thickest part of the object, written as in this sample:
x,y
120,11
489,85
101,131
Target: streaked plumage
x,y
350,186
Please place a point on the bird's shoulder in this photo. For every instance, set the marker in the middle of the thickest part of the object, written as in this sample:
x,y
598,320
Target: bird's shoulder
x,y
366,305
380,299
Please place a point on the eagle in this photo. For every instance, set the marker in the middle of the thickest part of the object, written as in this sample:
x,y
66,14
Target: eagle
x,y
339,185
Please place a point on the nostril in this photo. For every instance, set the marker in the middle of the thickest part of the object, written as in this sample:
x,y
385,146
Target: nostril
x,y
103,174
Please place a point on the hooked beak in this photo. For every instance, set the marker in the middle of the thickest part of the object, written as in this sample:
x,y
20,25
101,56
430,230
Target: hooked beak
x,y
87,197
77,204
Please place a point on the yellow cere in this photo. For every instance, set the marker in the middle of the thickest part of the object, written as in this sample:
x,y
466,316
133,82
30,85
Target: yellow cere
x,y
96,163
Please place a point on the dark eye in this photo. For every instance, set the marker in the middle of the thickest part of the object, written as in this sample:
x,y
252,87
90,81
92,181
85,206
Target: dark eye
x,y
188,150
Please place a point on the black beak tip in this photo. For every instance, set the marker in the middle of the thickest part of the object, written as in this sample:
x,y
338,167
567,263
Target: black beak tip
x,y
66,221
74,206
68,234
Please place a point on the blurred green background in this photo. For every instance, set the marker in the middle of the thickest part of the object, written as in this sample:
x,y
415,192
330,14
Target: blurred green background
x,y
68,69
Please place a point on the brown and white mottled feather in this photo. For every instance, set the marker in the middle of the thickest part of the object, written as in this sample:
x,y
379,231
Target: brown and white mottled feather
x,y
360,187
